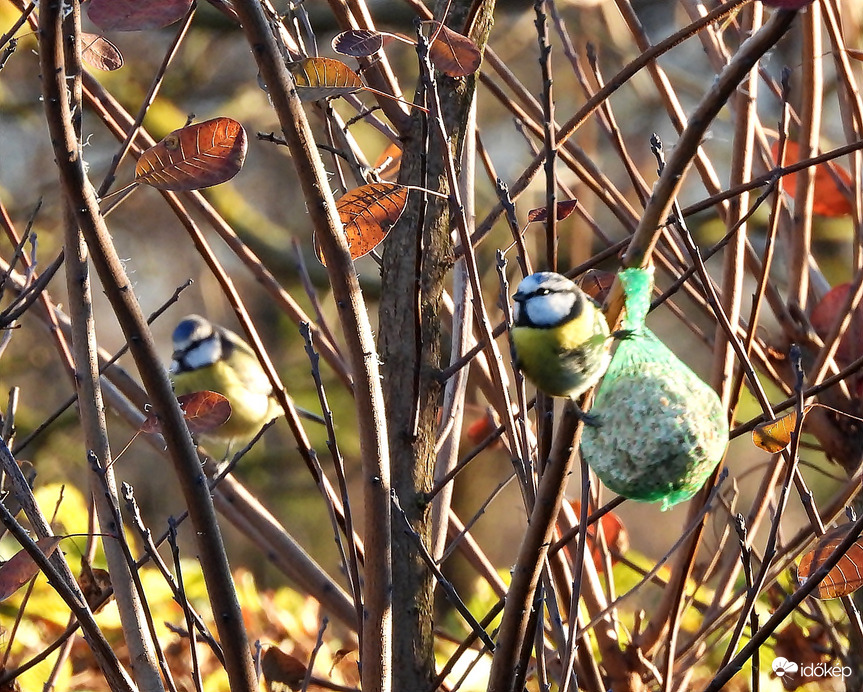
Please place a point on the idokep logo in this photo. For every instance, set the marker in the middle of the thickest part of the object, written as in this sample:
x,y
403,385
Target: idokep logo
x,y
782,667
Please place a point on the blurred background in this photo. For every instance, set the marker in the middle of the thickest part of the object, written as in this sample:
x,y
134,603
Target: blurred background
x,y
214,75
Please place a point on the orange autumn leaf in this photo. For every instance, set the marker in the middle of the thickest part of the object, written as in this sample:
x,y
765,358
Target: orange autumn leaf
x,y
829,199
846,577
94,583
195,156
367,214
323,78
775,435
387,165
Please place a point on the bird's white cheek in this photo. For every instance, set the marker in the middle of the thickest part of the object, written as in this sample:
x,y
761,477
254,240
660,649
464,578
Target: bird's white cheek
x,y
516,311
204,353
550,309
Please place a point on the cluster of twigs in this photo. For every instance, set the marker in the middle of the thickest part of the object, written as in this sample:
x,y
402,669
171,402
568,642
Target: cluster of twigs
x,y
561,621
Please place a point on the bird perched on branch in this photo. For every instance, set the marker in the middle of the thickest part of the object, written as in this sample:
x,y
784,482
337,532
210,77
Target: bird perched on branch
x,y
209,357
559,335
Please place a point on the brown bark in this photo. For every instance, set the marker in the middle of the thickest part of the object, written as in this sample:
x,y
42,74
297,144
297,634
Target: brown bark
x,y
416,261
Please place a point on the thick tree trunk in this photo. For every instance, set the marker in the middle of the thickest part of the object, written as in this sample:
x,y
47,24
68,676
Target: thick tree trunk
x,y
416,261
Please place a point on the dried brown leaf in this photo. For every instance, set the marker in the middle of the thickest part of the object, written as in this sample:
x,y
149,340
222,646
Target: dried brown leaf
x,y
203,412
451,53
134,15
358,43
99,52
282,671
324,78
21,568
846,577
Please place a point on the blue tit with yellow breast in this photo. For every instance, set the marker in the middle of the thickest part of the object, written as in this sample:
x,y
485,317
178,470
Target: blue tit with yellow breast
x,y
559,335
209,357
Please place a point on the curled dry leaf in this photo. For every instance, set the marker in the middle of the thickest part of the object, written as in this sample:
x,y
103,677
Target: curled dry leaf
x,y
324,78
134,15
451,53
367,214
846,577
196,156
94,582
282,671
203,411
99,52
346,663
829,200
20,568
564,209
358,43
775,435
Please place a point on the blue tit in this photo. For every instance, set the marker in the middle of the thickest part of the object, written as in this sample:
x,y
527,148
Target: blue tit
x,y
560,338
209,357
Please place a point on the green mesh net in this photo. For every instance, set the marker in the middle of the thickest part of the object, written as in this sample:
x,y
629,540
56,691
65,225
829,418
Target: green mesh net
x,y
662,430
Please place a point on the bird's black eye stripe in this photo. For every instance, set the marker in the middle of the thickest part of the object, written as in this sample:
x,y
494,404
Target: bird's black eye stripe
x,y
226,345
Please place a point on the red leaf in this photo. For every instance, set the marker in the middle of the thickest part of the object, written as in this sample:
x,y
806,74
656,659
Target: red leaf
x,y
136,15
775,435
597,283
324,78
94,582
827,312
829,198
614,532
564,209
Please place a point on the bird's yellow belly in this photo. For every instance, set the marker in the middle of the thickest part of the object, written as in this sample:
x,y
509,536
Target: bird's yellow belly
x,y
557,365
